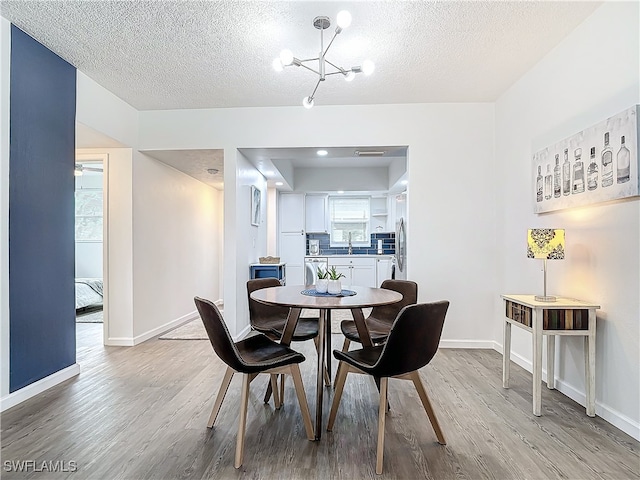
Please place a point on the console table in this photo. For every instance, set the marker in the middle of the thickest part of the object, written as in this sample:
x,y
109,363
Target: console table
x,y
566,316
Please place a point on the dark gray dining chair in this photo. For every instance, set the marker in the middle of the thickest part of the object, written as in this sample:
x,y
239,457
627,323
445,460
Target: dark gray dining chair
x,y
382,317
411,344
253,355
271,320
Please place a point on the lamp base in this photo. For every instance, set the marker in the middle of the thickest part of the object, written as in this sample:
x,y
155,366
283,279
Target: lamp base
x,y
545,298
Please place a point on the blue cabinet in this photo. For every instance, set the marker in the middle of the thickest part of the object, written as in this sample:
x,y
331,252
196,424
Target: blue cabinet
x,y
268,270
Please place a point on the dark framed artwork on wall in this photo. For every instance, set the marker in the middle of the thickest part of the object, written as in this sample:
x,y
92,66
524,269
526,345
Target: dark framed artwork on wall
x,y
256,195
598,164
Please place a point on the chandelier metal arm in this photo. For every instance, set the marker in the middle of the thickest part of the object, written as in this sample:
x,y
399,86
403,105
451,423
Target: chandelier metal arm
x,y
309,68
313,94
330,43
340,69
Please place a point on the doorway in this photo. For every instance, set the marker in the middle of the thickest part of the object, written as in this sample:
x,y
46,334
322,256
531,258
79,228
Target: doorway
x,y
90,239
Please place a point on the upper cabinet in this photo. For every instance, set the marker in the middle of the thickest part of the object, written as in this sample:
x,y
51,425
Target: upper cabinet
x,y
291,212
317,213
380,218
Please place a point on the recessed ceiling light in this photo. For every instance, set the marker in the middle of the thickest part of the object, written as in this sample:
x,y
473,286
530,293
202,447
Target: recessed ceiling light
x,y
322,153
340,191
279,184
212,171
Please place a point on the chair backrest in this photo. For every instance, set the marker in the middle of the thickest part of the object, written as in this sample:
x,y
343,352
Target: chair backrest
x,y
413,339
259,312
409,291
218,334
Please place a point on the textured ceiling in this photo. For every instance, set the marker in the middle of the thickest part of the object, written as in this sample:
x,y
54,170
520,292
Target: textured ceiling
x,y
206,54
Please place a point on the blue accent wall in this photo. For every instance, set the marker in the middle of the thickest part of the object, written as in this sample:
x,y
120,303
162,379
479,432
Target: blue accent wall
x,y
41,212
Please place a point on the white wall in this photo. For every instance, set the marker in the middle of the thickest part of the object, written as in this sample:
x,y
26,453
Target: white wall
x,y
175,243
593,74
5,61
450,170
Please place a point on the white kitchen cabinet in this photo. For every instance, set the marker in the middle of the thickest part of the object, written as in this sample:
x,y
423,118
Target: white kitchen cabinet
x,y
291,236
316,211
291,212
292,247
383,269
359,272
379,214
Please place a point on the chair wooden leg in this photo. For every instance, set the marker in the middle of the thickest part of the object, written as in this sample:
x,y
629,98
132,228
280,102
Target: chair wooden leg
x,y
345,348
267,394
242,424
382,414
282,377
277,398
343,369
228,375
415,376
302,400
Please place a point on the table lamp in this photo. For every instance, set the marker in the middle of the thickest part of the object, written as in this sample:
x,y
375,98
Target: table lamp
x,y
548,244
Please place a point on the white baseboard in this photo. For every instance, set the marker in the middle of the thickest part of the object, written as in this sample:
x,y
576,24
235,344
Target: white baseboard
x,y
131,341
38,387
467,344
166,327
615,418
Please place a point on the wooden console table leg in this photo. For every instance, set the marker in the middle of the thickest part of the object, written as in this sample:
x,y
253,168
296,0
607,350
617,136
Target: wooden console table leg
x,y
551,361
590,365
506,354
537,361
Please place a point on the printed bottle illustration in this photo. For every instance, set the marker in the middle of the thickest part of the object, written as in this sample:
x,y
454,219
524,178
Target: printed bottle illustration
x,y
556,178
592,171
539,185
578,172
547,183
607,163
566,174
623,160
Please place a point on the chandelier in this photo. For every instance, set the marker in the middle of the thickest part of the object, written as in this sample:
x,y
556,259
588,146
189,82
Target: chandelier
x,y
325,67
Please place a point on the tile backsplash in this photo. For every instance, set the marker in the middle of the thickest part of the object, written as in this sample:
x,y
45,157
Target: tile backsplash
x,y
388,245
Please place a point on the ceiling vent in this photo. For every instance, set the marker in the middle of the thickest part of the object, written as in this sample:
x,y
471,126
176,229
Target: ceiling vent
x,y
370,153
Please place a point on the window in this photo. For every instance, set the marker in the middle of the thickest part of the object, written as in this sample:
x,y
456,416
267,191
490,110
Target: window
x,y
349,215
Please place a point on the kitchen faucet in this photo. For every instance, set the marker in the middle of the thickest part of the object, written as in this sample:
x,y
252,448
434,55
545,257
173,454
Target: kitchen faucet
x,y
350,246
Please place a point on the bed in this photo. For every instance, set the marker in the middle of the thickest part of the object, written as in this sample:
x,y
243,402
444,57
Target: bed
x,y
89,292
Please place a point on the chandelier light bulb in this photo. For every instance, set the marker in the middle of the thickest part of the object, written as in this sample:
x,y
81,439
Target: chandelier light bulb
x,y
286,57
368,67
350,76
307,102
343,19
277,65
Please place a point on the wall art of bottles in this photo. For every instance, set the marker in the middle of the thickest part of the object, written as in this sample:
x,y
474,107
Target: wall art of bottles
x,y
598,164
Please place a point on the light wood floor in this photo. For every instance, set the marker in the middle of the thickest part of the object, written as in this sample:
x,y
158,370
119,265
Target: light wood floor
x,y
141,413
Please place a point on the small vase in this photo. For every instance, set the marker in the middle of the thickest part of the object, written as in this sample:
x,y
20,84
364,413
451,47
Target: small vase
x,y
321,285
334,287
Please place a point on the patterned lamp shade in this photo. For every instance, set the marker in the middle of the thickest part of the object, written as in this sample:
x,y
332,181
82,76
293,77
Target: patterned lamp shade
x,y
546,243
